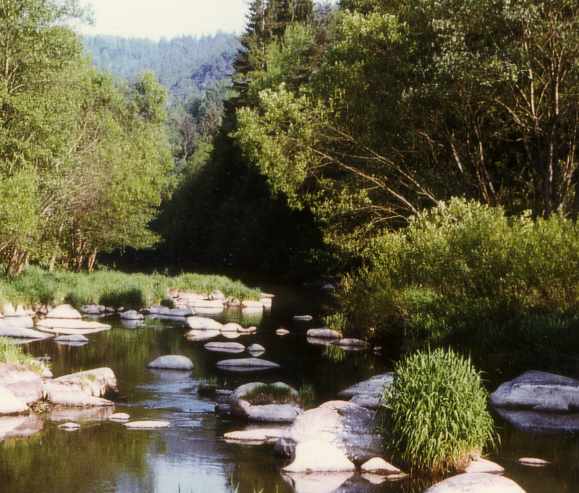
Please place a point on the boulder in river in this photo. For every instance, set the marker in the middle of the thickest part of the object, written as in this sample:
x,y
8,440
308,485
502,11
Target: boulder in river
x,y
303,318
539,402
203,323
26,385
120,417
276,403
351,343
93,309
378,465
8,330
368,393
232,327
282,332
476,483
225,347
171,362
533,462
484,466
131,315
201,335
349,427
10,404
147,425
82,389
69,326
64,312
324,334
319,456
246,365
256,349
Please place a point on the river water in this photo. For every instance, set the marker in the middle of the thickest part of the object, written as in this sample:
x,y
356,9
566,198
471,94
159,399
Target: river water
x,y
191,456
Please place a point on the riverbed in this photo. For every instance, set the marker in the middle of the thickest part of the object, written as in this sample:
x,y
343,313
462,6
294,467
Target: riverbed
x,y
191,456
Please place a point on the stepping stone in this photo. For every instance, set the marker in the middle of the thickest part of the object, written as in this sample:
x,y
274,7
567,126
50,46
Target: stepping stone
x,y
246,365
324,334
147,425
171,362
203,323
303,318
282,332
120,417
533,462
69,427
225,347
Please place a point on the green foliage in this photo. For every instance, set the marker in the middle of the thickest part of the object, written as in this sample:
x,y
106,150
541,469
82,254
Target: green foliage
x,y
437,412
336,321
270,394
307,396
462,262
115,289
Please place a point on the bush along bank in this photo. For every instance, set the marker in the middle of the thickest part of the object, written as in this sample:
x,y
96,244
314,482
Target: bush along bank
x,y
461,267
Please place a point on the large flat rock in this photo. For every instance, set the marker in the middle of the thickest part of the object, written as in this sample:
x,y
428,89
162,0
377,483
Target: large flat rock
x,y
203,323
82,389
171,362
476,483
6,330
26,385
246,365
65,326
369,392
225,347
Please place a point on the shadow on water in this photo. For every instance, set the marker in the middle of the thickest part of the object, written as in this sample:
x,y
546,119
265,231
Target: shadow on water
x,y
191,457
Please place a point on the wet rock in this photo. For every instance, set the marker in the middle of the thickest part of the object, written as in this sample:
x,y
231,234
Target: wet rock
x,y
232,327
10,404
349,427
166,312
93,309
282,332
303,318
171,362
7,329
26,385
476,483
246,365
69,427
217,295
131,315
64,312
120,417
225,347
539,402
319,456
265,412
484,466
203,323
368,393
538,391
201,335
83,389
255,436
377,465
256,349
147,425
533,462
324,334
69,326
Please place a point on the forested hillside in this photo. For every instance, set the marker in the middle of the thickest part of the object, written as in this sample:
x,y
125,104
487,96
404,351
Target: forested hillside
x,y
185,65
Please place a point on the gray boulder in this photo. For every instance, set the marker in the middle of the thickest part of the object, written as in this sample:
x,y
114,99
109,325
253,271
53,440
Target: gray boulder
x,y
171,362
10,404
203,323
246,365
225,347
476,483
347,426
324,334
319,456
539,402
26,385
267,412
82,389
64,312
131,315
369,392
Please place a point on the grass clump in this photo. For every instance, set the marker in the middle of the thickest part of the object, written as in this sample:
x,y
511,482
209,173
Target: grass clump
x,y
271,393
109,288
437,412
12,354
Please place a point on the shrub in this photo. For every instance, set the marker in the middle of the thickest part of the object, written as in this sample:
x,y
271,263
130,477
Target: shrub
x,y
437,410
462,262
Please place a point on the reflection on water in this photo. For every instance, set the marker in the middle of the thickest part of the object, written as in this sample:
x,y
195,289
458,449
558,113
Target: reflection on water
x,y
191,456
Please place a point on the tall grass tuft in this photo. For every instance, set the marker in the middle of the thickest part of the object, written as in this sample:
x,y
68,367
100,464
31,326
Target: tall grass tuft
x,y
437,415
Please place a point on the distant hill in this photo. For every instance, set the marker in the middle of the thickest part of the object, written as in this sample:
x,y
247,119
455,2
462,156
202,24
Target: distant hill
x,y
185,65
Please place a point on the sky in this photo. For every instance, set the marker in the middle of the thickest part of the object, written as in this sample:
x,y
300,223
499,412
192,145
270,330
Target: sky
x,y
165,18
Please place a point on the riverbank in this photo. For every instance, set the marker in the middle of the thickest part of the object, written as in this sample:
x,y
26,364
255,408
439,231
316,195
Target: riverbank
x,y
114,289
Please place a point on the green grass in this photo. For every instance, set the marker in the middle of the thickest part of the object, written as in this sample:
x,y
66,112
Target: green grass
x,y
109,288
12,354
436,413
270,394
